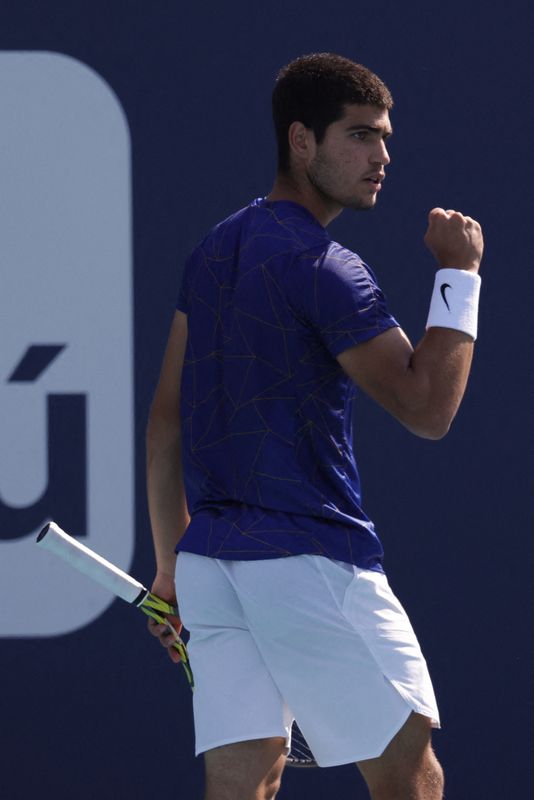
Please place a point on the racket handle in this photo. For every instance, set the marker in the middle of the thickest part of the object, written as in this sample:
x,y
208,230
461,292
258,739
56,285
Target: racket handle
x,y
91,564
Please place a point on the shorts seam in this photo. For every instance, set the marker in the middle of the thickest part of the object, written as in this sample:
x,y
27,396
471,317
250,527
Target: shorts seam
x,y
338,605
414,705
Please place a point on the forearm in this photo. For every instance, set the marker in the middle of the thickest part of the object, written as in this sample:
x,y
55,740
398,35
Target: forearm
x,y
434,383
166,494
439,366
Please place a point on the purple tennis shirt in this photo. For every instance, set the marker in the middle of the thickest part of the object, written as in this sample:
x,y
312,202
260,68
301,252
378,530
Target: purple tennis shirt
x,y
266,409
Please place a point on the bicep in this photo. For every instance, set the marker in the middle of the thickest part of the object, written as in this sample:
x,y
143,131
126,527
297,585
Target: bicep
x,y
166,402
381,368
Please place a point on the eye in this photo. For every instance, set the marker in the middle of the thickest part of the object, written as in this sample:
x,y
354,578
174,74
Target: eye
x,y
361,135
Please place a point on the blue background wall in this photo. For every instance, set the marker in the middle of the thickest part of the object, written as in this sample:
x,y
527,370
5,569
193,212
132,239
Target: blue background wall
x,y
100,713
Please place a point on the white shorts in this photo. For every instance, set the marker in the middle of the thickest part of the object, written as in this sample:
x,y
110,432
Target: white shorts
x,y
300,637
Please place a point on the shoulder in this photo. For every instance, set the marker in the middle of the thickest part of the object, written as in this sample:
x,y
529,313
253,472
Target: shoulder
x,y
334,264
255,221
218,232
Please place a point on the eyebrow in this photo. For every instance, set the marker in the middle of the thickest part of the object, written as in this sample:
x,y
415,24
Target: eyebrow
x,y
384,131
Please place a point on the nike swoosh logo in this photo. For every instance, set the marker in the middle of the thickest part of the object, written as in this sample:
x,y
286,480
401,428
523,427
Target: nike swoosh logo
x,y
442,290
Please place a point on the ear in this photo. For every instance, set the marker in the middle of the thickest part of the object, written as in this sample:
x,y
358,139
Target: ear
x,y
302,144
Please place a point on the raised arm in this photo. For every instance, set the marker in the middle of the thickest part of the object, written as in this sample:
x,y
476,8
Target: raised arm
x,y
423,388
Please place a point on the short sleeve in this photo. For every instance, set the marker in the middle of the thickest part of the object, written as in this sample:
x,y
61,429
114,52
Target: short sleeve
x,y
340,299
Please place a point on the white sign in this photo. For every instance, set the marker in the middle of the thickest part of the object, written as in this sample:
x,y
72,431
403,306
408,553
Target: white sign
x,y
66,360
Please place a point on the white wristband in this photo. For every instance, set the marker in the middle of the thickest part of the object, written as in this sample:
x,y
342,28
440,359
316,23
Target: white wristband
x,y
454,301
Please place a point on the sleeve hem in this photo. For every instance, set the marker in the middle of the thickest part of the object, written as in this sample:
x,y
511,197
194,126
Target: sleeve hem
x,y
346,340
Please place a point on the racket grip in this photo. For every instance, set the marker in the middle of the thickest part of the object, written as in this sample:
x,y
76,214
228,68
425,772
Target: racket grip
x,y
91,564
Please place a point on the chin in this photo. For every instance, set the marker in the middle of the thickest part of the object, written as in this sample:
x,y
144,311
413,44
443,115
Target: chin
x,y
362,205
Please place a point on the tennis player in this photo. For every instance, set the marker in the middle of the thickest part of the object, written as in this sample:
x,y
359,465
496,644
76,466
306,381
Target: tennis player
x,y
252,477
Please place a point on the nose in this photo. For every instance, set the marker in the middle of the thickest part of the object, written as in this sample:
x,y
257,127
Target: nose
x,y
381,155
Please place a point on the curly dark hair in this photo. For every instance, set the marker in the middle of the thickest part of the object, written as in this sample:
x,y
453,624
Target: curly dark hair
x,y
313,90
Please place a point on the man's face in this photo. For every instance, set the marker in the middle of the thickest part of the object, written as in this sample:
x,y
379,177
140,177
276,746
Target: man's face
x,y
348,165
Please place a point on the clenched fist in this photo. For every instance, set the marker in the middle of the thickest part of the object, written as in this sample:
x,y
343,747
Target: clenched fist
x,y
455,240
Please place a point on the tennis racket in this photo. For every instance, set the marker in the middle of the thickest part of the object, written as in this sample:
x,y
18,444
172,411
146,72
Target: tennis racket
x,y
121,584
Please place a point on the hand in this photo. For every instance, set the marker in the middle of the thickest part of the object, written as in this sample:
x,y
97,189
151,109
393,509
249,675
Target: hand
x,y
456,241
163,587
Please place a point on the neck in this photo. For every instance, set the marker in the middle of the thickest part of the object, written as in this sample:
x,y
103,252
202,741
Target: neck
x,y
289,188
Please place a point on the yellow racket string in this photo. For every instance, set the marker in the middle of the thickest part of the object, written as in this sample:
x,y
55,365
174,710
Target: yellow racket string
x,y
151,606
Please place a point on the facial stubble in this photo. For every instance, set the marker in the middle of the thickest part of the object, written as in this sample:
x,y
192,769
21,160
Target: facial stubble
x,y
324,177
